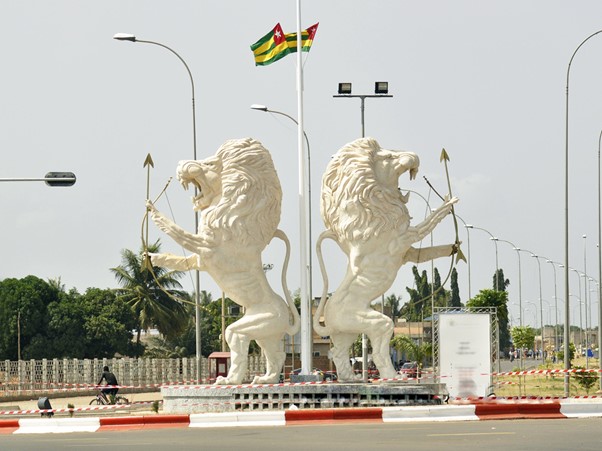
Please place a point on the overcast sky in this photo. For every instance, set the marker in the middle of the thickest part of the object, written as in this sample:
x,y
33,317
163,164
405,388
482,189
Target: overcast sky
x,y
484,79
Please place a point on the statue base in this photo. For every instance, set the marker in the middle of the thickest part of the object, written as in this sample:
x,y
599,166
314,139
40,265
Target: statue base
x,y
226,398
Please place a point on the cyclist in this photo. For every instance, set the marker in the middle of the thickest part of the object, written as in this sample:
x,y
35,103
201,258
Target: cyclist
x,y
111,381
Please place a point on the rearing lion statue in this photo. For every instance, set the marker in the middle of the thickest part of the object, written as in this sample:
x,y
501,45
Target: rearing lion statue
x,y
366,214
240,197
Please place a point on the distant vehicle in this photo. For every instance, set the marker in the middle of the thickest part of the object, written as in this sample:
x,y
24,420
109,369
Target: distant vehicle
x,y
326,375
410,370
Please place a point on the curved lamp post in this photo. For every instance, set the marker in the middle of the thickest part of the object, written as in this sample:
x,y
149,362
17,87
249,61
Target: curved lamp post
x,y
306,317
556,337
567,360
580,310
520,292
470,226
543,360
197,294
599,260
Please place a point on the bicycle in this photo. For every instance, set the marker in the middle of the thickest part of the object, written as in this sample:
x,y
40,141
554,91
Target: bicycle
x,y
102,399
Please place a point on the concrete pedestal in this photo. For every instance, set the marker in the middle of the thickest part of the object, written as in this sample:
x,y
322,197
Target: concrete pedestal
x,y
215,398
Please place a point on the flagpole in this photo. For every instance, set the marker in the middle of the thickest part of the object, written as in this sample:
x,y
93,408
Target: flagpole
x,y
306,329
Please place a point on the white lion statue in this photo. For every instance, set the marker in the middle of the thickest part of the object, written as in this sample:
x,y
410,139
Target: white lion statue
x,y
240,196
365,213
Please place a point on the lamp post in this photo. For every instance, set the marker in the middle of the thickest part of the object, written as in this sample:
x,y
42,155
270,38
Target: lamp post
x,y
305,312
581,320
567,360
520,293
51,179
470,226
543,359
468,244
580,310
585,294
556,337
381,89
599,261
197,294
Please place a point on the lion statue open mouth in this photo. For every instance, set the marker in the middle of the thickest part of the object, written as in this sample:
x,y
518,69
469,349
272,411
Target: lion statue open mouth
x,y
365,213
240,196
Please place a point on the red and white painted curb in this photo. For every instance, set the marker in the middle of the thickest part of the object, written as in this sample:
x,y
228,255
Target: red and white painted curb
x,y
485,410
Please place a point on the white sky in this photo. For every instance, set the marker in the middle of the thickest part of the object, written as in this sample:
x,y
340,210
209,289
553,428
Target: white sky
x,y
484,79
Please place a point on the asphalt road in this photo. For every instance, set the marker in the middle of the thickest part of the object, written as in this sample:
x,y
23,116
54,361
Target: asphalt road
x,y
524,435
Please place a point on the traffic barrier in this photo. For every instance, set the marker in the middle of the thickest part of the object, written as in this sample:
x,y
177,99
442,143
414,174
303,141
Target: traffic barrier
x,y
485,410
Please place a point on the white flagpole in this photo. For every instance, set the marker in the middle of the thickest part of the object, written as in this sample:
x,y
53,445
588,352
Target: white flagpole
x,y
306,327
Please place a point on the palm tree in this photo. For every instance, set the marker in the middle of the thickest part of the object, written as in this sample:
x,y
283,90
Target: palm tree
x,y
155,296
416,352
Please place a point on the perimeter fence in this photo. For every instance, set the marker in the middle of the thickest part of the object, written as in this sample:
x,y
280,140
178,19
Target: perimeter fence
x,y
38,377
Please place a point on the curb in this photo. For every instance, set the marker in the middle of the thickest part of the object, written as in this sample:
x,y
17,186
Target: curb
x,y
484,410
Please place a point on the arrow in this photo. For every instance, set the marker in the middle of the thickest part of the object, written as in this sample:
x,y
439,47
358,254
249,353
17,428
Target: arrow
x,y
459,254
148,163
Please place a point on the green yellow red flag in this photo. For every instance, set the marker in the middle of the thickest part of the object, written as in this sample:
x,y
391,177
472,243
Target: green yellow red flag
x,y
275,44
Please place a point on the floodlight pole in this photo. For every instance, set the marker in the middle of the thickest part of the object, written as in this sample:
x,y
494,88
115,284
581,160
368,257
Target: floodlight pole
x,y
363,97
197,294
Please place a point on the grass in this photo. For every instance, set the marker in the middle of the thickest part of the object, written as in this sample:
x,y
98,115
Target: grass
x,y
545,384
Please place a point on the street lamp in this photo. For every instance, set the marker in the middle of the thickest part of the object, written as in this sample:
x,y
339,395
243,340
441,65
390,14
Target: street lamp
x,y
51,179
520,294
305,309
197,294
599,260
585,295
470,226
543,359
381,89
556,337
567,360
580,310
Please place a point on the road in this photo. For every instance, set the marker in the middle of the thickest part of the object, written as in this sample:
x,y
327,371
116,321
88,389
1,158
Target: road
x,y
525,435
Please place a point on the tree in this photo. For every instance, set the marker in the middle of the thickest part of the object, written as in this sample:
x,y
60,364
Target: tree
x,y
151,293
392,302
499,283
455,300
585,378
23,316
572,352
96,324
414,351
419,305
499,300
523,337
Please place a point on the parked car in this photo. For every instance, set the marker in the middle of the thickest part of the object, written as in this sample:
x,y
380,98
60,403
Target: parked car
x,y
326,375
410,370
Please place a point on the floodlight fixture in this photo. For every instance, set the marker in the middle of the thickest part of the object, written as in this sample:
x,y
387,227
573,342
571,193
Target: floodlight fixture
x,y
381,87
124,37
344,88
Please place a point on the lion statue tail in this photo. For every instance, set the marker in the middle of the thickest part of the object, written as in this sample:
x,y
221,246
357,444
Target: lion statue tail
x,y
296,324
323,331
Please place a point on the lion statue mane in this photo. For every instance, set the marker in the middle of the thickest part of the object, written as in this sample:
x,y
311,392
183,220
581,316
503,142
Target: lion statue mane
x,y
366,214
239,194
